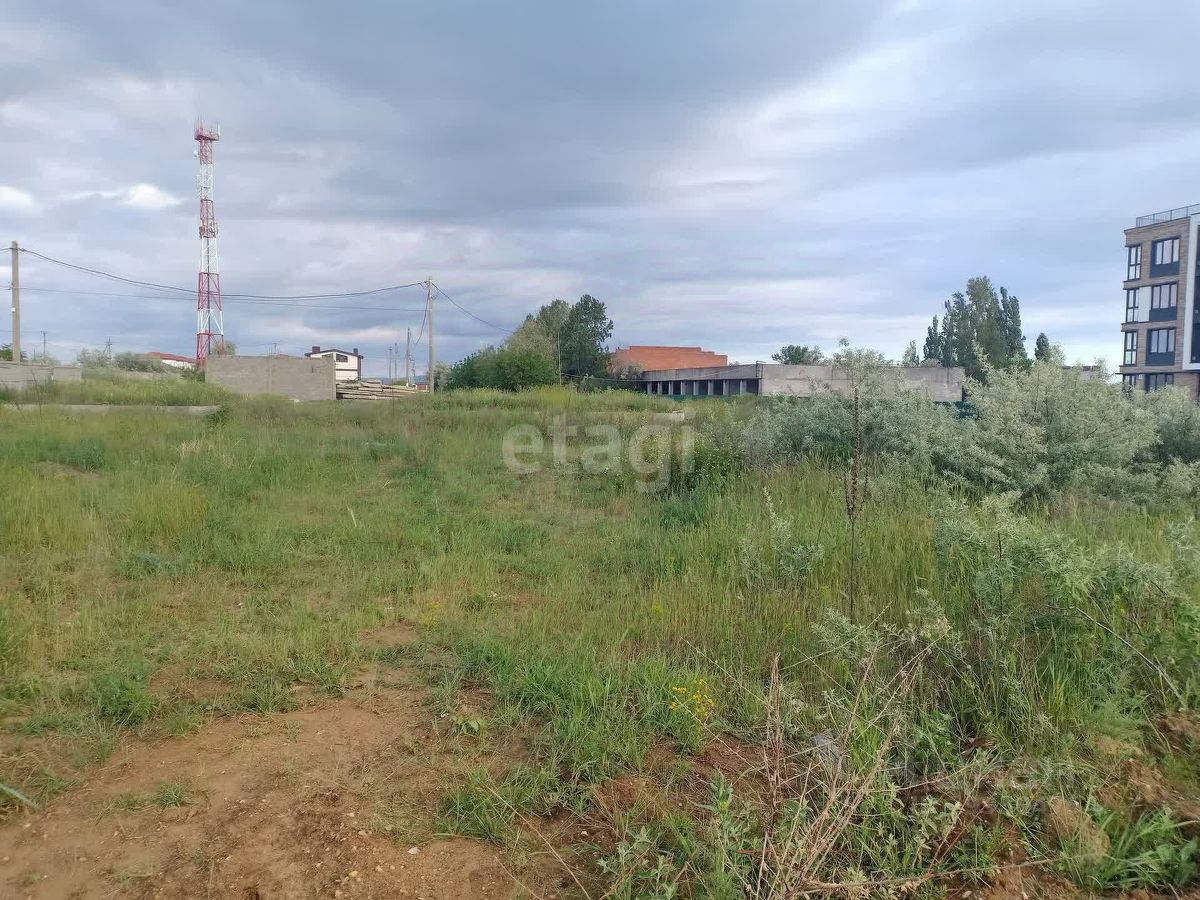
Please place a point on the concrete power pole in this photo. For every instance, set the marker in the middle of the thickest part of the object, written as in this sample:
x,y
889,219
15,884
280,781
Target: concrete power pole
x,y
16,303
429,316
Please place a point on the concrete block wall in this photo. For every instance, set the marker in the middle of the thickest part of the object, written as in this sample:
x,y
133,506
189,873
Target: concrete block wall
x,y
283,376
943,385
19,376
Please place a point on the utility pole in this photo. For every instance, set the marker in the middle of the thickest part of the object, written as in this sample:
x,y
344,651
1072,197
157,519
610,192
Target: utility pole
x,y
408,357
429,317
16,303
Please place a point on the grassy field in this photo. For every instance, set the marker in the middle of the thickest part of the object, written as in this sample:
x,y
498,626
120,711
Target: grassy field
x,y
112,386
701,641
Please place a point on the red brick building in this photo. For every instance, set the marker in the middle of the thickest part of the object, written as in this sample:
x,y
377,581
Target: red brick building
x,y
652,357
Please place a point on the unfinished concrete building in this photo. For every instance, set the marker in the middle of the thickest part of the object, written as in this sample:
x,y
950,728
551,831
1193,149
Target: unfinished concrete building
x,y
942,385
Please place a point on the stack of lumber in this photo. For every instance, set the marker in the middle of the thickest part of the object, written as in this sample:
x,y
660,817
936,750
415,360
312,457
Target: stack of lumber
x,y
374,389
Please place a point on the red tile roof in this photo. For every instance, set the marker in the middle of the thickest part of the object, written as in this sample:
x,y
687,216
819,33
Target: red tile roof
x,y
173,357
653,357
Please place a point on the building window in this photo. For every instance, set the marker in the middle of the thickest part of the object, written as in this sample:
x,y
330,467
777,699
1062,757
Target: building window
x,y
1164,259
342,357
1160,347
1133,262
1166,251
1160,340
1128,382
1130,348
1162,296
1159,380
1131,305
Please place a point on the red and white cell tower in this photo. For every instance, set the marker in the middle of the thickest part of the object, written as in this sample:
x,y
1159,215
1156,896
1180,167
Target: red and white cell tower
x,y
210,330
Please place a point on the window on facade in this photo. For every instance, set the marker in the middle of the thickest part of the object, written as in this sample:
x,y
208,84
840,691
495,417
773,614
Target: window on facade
x,y
1162,296
1131,305
1166,251
1133,262
1130,348
342,357
1128,382
1159,380
1160,340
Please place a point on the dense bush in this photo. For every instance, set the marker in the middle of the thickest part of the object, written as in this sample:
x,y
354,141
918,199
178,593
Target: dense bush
x,y
1037,432
503,369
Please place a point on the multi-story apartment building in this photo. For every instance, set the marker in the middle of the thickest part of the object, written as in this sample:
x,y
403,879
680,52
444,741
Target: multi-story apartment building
x,y
1162,276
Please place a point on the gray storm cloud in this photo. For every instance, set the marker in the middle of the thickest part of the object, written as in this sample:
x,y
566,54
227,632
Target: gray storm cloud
x,y
732,175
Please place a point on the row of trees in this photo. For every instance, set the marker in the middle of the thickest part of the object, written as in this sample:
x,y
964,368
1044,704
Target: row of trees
x,y
979,329
561,340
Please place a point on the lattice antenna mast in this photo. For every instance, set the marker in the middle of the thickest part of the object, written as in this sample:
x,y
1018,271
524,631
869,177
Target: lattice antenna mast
x,y
210,328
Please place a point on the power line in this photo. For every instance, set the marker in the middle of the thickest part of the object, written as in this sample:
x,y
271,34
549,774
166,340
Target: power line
x,y
191,291
41,290
424,319
103,274
461,308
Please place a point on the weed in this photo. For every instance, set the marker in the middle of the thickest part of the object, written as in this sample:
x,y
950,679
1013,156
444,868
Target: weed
x,y
1148,852
492,810
121,698
168,794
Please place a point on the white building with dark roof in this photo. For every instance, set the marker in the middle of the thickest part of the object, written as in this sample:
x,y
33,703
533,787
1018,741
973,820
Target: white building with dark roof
x,y
347,364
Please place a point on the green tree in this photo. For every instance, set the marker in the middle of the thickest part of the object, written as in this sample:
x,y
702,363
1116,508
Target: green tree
x,y
980,330
139,362
1010,323
1041,349
584,338
543,333
474,371
799,355
516,370
933,342
505,369
910,357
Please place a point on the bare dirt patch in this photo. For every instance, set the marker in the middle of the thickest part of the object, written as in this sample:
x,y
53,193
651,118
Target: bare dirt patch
x,y
269,807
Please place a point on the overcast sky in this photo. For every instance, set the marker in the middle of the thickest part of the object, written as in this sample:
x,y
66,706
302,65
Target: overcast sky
x,y
733,175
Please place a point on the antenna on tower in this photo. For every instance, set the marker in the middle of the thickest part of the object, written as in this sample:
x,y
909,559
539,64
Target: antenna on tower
x,y
210,329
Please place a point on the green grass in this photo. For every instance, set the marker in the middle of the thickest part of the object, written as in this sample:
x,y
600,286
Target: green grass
x,y
102,387
255,549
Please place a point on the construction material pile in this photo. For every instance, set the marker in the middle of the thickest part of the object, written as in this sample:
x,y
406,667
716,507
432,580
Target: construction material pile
x,y
374,389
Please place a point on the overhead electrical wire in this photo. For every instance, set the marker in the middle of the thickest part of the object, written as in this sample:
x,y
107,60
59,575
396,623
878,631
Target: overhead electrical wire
x,y
421,333
173,292
103,274
226,299
235,296
463,309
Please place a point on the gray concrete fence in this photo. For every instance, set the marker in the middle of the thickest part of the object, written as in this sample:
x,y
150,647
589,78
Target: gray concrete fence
x,y
296,377
19,376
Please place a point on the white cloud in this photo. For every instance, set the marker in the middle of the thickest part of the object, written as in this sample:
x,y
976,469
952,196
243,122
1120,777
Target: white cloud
x,y
16,200
148,196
